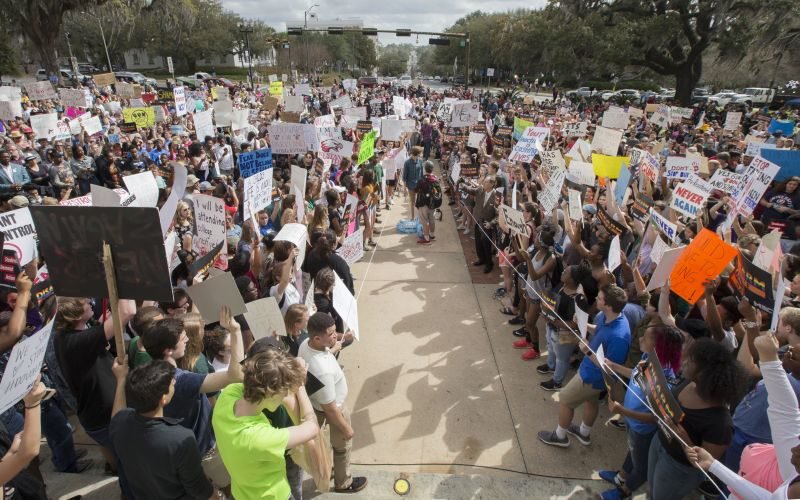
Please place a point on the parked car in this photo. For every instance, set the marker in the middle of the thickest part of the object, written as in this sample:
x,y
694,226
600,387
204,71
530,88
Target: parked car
x,y
134,77
88,69
607,94
755,96
65,74
723,98
700,95
580,92
405,80
627,95
367,81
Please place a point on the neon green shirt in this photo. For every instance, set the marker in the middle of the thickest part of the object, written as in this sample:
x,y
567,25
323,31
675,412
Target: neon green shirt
x,y
251,449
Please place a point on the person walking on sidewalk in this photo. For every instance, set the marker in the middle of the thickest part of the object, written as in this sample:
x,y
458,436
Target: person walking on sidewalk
x,y
329,402
425,195
412,173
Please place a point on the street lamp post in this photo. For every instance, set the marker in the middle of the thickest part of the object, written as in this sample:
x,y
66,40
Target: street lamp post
x,y
305,26
103,36
246,30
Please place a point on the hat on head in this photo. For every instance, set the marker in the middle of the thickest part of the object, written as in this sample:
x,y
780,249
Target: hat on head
x,y
26,129
590,208
694,327
16,134
191,180
29,157
18,201
206,186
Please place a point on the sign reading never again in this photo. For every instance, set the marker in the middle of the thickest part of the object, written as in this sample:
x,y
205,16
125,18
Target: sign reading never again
x,y
71,241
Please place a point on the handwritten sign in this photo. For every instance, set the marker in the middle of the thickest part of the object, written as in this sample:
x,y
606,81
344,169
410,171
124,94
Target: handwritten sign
x,y
253,162
142,117
606,141
578,129
288,138
367,148
210,223
669,229
755,181
529,144
681,167
257,191
265,318
704,258
615,117
40,91
24,365
725,180
732,120
352,249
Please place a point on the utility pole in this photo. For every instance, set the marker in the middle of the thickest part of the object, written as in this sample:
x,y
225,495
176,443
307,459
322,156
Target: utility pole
x,y
305,27
466,77
246,30
72,61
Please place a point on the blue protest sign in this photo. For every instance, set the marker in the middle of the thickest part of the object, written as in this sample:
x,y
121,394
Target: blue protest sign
x,y
253,162
787,127
623,180
787,159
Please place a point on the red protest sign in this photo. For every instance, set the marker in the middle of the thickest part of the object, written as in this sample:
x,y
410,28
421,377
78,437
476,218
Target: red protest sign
x,y
704,258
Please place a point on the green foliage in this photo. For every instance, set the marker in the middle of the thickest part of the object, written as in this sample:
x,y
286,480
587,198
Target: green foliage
x,y
393,59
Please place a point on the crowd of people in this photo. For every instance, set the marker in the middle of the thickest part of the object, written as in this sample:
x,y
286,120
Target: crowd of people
x,y
197,406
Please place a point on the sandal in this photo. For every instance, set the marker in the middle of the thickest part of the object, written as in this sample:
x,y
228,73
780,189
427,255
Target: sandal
x,y
508,311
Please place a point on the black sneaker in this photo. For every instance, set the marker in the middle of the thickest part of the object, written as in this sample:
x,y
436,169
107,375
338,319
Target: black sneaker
x,y
551,438
358,484
618,423
81,465
544,369
520,332
516,320
551,386
575,431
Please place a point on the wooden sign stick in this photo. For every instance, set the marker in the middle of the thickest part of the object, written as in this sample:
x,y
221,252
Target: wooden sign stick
x,y
113,300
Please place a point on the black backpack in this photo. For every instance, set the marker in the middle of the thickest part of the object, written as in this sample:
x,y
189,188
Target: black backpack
x,y
434,194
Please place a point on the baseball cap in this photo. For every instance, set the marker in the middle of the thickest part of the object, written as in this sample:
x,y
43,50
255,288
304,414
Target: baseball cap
x,y
18,201
206,186
29,157
590,208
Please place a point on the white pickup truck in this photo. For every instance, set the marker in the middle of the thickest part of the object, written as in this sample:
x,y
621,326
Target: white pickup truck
x,y
753,96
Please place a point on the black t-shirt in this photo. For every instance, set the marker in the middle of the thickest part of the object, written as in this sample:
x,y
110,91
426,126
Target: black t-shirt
x,y
325,305
712,425
86,364
314,263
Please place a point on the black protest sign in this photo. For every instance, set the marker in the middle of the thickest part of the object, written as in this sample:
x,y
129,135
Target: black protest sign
x,y
127,127
549,305
42,291
612,226
364,126
201,265
71,241
749,280
502,137
377,108
640,210
470,170
456,134
654,384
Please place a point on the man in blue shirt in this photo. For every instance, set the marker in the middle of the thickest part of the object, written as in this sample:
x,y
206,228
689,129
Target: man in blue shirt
x,y
159,150
412,173
613,334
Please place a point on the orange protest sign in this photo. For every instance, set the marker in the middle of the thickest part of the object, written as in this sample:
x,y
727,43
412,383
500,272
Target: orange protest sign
x,y
704,258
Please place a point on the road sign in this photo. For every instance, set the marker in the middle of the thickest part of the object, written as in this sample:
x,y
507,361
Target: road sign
x,y
169,65
489,71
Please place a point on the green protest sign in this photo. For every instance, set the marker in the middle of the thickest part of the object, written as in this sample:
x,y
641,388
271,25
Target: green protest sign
x,y
367,148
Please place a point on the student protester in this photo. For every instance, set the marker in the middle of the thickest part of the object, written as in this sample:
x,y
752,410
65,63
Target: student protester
x,y
424,193
329,402
25,446
412,173
167,341
252,449
612,332
160,457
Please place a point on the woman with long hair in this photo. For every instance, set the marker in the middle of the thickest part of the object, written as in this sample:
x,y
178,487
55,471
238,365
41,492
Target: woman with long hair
x,y
319,221
183,225
193,359
667,343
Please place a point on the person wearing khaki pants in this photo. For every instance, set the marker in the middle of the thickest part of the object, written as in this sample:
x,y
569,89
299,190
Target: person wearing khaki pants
x,y
329,401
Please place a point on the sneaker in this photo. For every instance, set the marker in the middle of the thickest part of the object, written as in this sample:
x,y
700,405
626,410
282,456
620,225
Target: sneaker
x,y
423,241
520,332
358,484
433,237
610,476
80,466
551,438
516,321
530,354
618,423
521,344
551,386
575,431
544,369
613,494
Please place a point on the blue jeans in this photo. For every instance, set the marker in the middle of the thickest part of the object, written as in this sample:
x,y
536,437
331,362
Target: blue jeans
x,y
56,430
635,465
668,478
558,355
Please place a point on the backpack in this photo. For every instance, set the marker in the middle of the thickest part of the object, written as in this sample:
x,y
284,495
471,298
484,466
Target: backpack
x,y
434,194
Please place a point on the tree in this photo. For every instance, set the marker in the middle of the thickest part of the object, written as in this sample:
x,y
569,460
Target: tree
x,y
393,60
118,18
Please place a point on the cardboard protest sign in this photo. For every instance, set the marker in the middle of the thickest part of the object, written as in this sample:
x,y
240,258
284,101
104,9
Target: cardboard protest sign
x,y
640,209
142,117
769,252
203,264
755,181
552,160
725,180
345,305
209,215
19,234
293,104
614,254
658,249
681,167
666,261
615,117
214,293
257,191
296,234
179,95
475,139
343,102
612,226
204,124
748,280
253,162
265,318
551,194
654,385
276,88
71,241
649,167
92,125
144,187
287,138
391,130
520,124
529,144
704,258
578,129
10,103
74,98
689,196
661,117
40,91
367,148
465,114
755,148
669,229
512,220
621,185
581,172
167,212
787,159
24,366
45,126
732,120
352,250
606,141
223,113
575,205
608,166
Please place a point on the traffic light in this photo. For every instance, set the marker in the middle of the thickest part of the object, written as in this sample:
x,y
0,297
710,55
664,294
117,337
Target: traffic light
x,y
439,41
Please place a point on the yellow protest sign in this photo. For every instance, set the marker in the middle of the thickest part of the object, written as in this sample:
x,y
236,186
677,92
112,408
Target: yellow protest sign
x,y
214,93
608,166
367,148
142,117
276,89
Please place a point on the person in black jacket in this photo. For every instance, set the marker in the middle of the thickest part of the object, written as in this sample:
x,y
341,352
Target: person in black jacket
x,y
323,254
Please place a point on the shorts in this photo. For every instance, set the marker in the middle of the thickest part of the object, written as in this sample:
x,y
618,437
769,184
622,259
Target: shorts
x,y
503,259
424,214
215,470
577,392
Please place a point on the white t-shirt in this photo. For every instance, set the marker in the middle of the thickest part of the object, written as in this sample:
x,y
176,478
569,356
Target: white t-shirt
x,y
224,161
324,366
291,296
